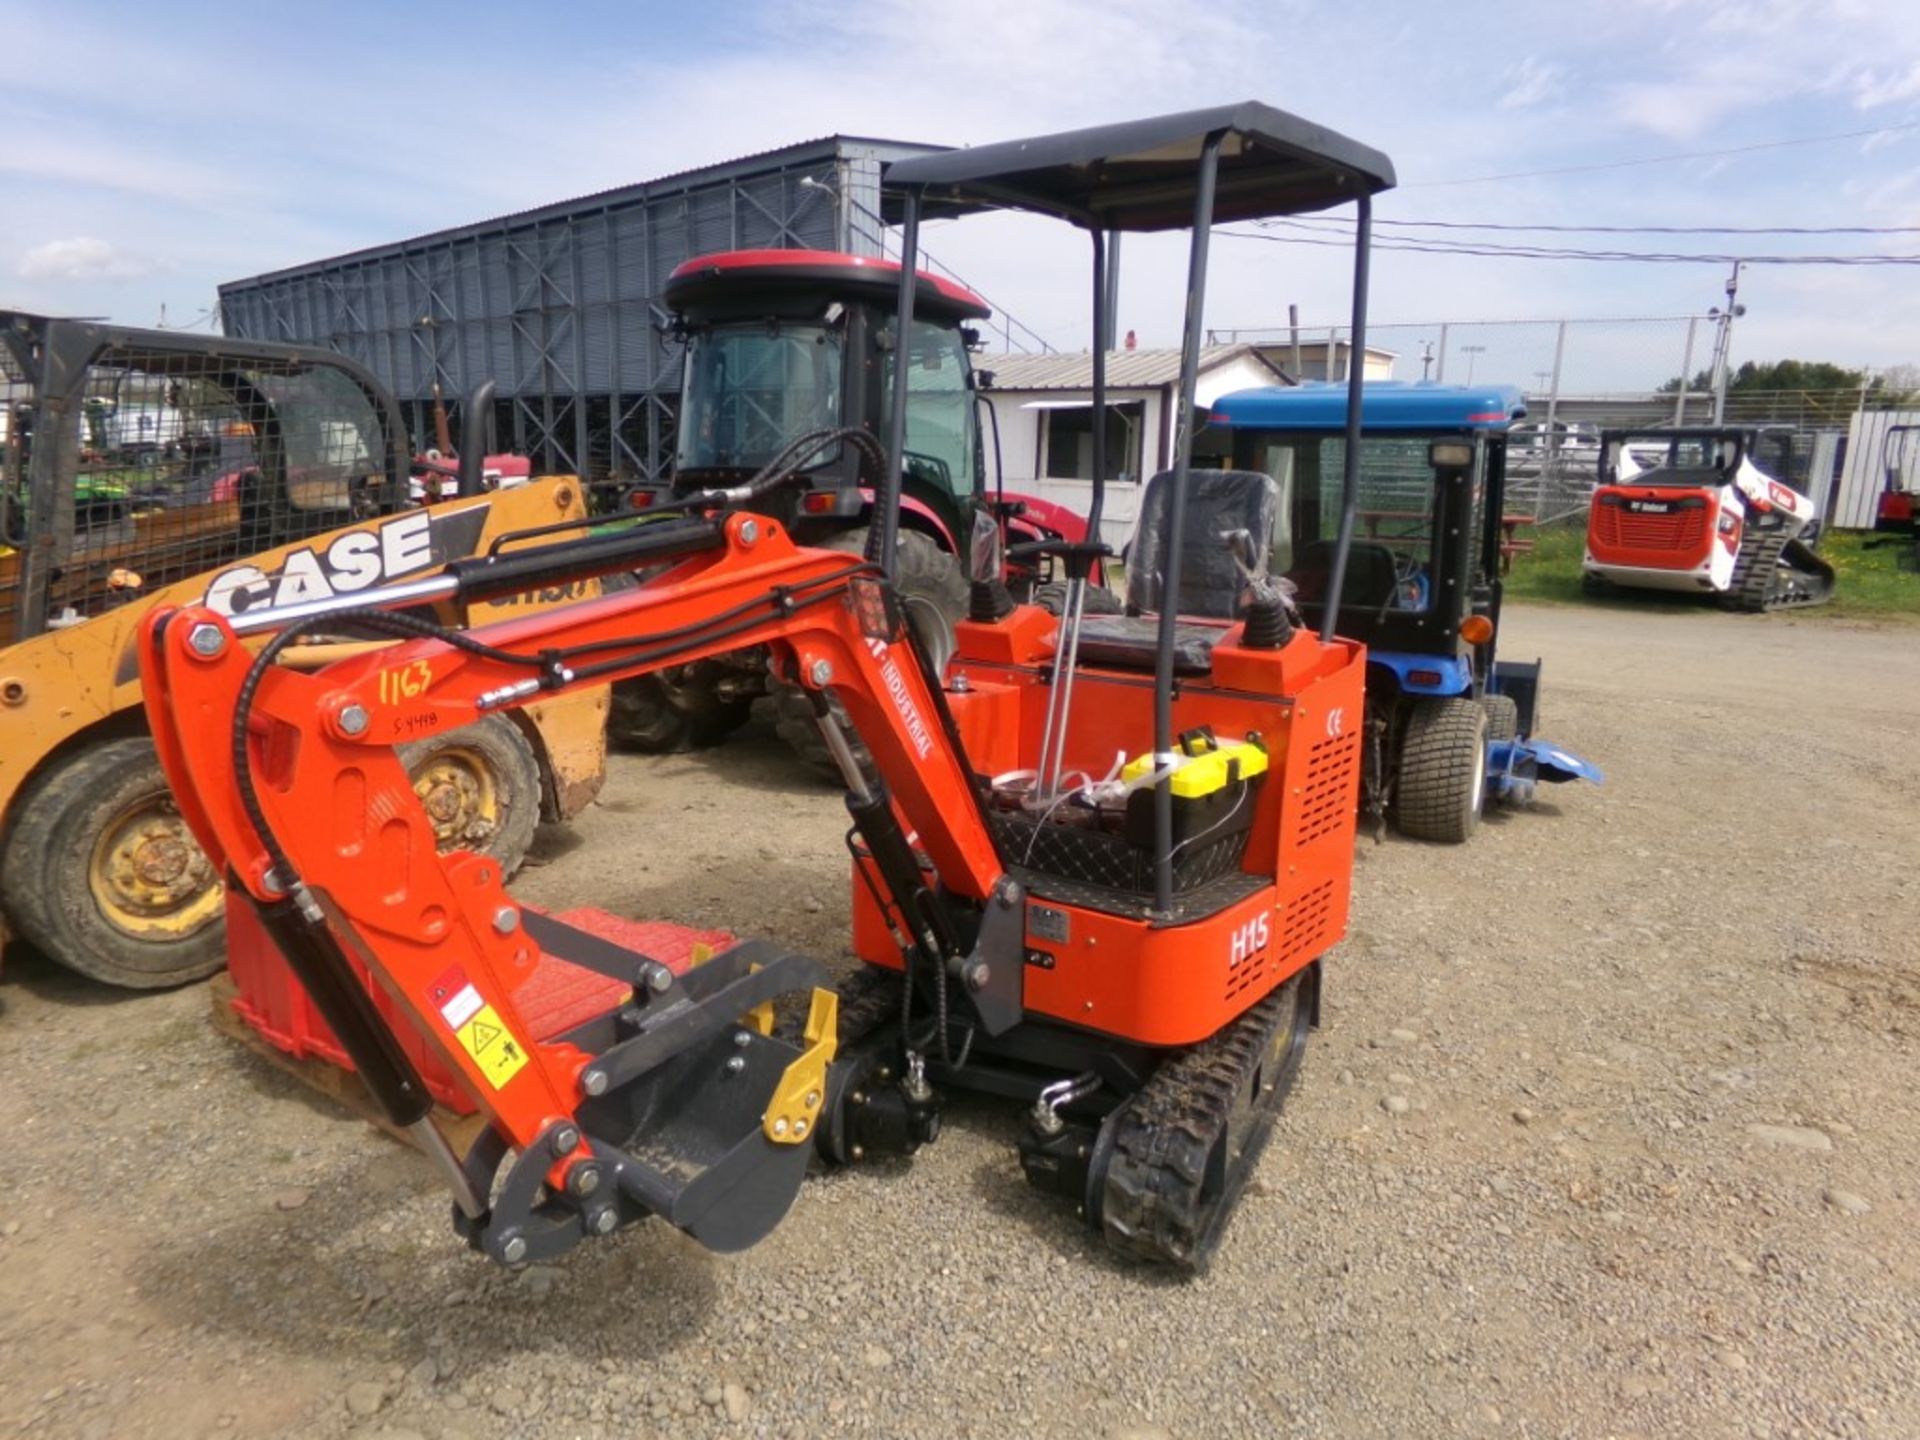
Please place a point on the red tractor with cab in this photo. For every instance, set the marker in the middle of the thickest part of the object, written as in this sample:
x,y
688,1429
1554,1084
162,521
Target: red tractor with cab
x,y
778,344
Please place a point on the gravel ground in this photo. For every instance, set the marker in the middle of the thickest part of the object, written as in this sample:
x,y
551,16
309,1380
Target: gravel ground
x,y
1654,1173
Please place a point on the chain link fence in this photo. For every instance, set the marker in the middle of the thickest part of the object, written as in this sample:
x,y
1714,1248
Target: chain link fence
x,y
1582,377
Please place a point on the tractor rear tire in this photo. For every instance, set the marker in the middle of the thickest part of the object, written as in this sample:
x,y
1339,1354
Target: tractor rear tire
x,y
480,786
935,593
101,874
1052,598
672,710
1503,716
1443,770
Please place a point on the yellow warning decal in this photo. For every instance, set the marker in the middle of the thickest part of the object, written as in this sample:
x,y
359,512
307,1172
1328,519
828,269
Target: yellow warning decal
x,y
493,1047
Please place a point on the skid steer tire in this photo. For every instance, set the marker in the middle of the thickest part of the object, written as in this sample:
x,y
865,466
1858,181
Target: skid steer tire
x,y
101,874
1443,770
1052,598
480,786
930,582
1503,717
673,710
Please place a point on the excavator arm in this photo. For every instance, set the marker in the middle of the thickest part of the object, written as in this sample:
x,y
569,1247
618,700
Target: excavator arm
x,y
680,1102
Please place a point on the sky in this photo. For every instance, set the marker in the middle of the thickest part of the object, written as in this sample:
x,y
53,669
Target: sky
x,y
154,152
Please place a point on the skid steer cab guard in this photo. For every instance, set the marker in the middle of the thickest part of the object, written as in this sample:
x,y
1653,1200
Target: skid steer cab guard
x,y
1112,908
1450,725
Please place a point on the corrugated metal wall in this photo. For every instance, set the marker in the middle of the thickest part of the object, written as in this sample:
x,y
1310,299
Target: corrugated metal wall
x,y
1864,474
559,306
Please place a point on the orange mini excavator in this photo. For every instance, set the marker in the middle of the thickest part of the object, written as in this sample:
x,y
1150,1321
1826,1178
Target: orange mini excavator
x,y
1097,862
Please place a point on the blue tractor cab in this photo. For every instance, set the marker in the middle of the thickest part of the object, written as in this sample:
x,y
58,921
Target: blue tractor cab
x,y
1448,725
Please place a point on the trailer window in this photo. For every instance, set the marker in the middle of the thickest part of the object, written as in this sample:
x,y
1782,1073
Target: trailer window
x,y
751,389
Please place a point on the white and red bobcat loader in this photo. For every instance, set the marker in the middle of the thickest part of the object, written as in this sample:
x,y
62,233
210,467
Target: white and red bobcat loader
x,y
1704,519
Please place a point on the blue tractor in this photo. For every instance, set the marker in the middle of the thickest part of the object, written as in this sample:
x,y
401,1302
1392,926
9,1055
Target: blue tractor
x,y
1448,726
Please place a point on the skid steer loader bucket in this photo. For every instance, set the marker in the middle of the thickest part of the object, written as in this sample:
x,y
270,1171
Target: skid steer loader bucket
x,y
693,1111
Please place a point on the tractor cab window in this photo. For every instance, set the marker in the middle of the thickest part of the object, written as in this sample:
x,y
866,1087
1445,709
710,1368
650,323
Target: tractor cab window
x,y
750,390
942,426
1390,567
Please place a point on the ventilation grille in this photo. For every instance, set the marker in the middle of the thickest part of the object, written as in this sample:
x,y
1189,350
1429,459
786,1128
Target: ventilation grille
x,y
1246,975
1682,530
1325,804
1305,931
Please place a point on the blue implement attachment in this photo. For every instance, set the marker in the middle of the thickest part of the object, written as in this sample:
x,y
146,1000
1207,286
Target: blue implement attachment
x,y
1515,767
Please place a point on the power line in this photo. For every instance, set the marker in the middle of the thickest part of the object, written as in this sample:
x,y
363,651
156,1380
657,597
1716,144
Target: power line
x,y
1666,159
1489,251
1653,229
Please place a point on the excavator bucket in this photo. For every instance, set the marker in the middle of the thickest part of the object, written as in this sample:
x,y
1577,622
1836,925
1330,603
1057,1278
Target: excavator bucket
x,y
688,1118
691,1109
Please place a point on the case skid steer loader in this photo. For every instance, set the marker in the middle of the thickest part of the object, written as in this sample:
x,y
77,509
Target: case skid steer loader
x,y
146,468
1100,885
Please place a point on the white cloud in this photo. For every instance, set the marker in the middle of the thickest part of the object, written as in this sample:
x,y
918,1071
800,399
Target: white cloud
x,y
1530,82
82,258
1885,87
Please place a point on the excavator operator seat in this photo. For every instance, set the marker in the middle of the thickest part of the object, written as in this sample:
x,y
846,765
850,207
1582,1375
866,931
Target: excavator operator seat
x,y
1220,503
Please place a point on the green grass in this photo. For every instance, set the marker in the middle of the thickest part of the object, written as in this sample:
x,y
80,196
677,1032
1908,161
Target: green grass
x,y
1870,582
1551,571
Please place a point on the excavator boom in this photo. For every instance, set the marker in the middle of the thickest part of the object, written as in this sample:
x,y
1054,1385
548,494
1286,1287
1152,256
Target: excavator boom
x,y
289,781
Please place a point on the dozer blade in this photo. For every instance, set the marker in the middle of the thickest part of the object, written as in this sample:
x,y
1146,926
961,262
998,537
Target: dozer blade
x,y
691,1108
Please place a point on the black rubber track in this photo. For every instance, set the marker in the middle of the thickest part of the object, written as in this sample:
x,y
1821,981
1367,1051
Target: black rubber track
x,y
1773,572
1164,1200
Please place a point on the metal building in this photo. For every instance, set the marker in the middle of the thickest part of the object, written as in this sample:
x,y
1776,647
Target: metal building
x,y
559,306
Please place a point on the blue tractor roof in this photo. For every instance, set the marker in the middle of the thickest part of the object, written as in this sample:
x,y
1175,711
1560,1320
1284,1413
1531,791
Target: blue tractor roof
x,y
1405,405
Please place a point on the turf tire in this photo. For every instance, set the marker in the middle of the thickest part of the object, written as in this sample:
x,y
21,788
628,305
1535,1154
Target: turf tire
x,y
1443,770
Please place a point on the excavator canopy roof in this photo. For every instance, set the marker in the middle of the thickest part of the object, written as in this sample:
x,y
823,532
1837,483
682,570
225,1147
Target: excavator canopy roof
x,y
1142,175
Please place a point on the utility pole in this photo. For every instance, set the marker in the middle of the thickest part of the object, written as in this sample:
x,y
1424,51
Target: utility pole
x,y
1723,343
1426,358
1470,351
1686,372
